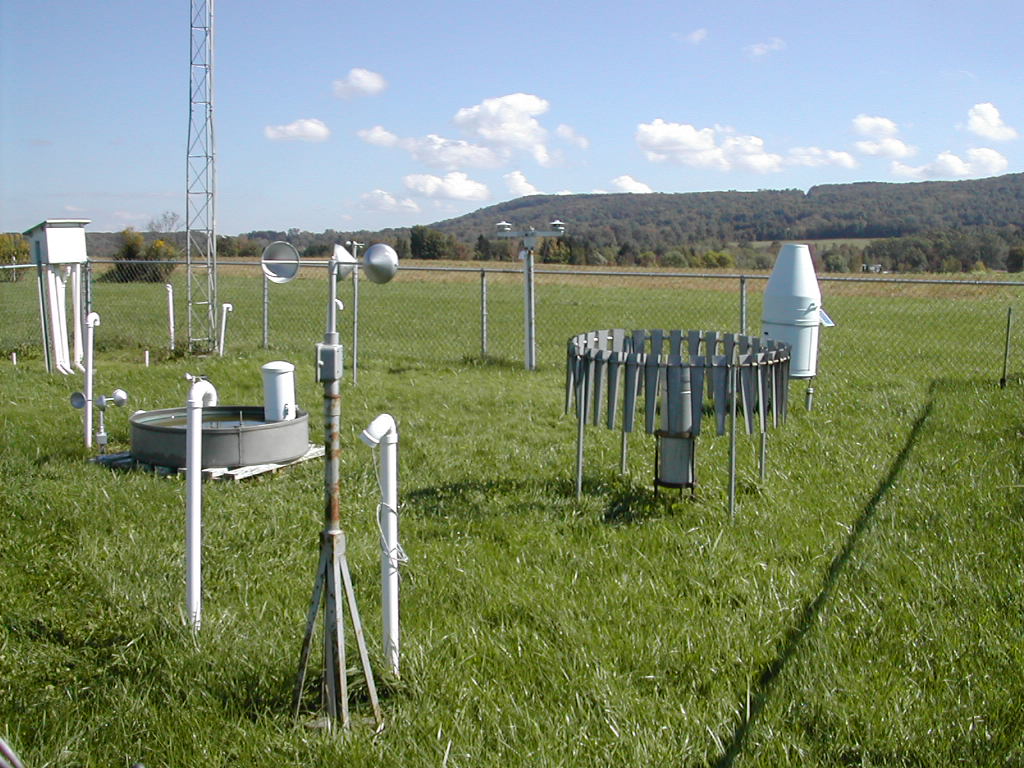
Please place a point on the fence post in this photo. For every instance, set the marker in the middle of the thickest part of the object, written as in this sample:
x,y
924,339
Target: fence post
x,y
1006,351
483,314
355,325
743,305
529,311
266,313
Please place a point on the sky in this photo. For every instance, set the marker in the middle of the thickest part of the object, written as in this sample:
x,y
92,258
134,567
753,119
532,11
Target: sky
x,y
365,115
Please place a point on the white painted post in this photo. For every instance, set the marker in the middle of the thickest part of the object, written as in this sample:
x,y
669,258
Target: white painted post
x,y
226,309
202,393
384,432
170,312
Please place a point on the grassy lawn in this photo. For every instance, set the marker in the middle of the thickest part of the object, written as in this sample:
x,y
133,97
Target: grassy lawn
x,y
863,607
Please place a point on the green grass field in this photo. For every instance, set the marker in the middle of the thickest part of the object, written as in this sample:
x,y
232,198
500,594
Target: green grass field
x,y
863,607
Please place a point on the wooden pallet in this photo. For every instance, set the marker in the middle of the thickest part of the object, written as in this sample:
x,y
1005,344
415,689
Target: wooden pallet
x,y
126,461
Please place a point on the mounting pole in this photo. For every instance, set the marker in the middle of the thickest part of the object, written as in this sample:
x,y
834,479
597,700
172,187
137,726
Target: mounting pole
x,y
332,576
355,246
530,238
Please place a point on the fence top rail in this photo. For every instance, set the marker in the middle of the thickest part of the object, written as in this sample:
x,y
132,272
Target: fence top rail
x,y
612,273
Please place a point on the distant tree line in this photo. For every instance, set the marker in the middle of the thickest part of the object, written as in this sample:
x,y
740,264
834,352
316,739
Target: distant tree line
x,y
947,227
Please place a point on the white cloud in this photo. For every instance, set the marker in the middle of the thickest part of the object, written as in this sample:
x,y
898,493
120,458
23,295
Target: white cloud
x,y
453,186
980,161
439,152
678,142
359,82
881,137
874,127
306,129
717,147
697,37
748,152
629,184
518,185
380,200
815,157
379,136
509,123
569,133
436,151
888,146
128,216
760,50
984,120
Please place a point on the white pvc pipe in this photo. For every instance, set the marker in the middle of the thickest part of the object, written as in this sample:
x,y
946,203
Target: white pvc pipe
x,y
91,321
225,310
58,320
76,295
202,393
170,312
384,431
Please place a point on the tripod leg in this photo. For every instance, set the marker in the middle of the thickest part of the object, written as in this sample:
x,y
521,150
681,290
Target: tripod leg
x,y
334,670
307,641
357,627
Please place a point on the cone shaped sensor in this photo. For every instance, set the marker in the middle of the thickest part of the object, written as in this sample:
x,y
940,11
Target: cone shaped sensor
x,y
792,308
346,261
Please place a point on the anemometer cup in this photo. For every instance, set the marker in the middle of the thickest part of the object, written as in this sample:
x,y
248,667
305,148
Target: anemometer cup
x,y
280,262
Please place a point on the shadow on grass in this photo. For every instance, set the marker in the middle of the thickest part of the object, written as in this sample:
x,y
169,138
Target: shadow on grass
x,y
471,494
476,361
634,504
808,616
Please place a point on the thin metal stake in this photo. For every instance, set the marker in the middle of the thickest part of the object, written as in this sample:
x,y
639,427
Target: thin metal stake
x,y
733,375
764,455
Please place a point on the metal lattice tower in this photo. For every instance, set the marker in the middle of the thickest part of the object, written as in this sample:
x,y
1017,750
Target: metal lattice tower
x,y
200,222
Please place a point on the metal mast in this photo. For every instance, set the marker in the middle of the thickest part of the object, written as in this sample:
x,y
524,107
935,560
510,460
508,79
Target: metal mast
x,y
200,222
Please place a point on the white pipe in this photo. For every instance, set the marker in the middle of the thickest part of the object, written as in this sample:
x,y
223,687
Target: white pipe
x,y
202,393
170,311
58,320
76,294
384,431
225,309
91,321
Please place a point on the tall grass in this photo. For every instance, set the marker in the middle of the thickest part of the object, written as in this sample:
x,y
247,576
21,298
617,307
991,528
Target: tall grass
x,y
862,608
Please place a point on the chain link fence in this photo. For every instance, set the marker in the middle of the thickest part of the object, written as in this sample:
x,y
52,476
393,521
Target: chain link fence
x,y
886,327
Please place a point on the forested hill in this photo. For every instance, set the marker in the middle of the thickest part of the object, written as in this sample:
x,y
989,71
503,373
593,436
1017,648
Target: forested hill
x,y
867,209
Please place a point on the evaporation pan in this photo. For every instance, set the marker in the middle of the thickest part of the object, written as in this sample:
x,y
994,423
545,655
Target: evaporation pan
x,y
233,436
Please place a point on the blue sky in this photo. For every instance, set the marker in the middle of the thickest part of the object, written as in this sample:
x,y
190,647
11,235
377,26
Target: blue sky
x,y
364,115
